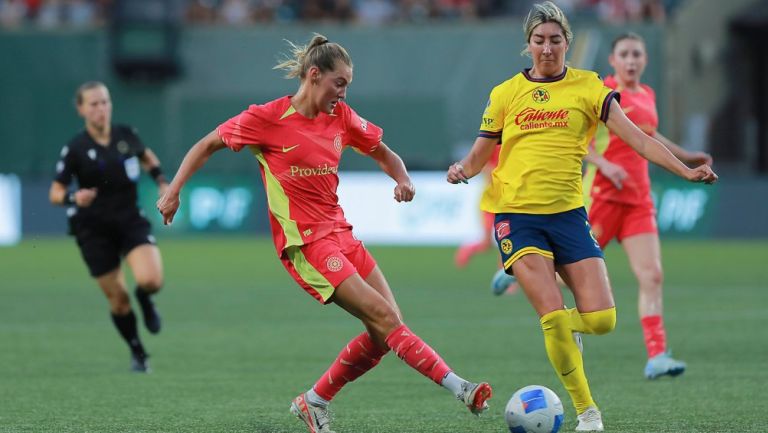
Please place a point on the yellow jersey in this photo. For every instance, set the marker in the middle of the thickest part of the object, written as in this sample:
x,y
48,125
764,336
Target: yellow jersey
x,y
544,126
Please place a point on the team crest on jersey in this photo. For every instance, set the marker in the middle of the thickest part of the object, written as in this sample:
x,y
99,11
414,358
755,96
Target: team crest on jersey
x,y
506,246
92,154
122,146
337,142
502,229
540,95
334,264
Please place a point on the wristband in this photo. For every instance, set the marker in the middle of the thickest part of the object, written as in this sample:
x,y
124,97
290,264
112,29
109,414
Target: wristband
x,y
69,199
157,174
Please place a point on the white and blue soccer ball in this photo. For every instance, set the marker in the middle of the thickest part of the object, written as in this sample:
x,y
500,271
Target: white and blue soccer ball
x,y
534,409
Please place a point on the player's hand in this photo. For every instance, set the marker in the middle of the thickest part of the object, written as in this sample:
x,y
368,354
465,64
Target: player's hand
x,y
404,192
456,174
168,204
614,172
85,196
702,173
699,158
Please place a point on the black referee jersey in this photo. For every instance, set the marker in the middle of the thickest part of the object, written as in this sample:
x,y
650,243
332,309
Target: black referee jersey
x,y
113,170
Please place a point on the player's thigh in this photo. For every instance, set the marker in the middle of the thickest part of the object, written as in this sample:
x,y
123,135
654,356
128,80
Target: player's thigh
x,y
536,274
588,280
361,300
354,250
379,283
147,266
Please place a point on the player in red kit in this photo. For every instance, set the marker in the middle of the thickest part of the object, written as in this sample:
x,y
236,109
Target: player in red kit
x,y
298,141
619,188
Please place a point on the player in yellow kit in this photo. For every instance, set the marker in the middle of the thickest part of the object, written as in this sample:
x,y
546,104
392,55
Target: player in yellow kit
x,y
544,118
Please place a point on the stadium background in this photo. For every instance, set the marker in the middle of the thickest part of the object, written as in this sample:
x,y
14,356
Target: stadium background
x,y
423,70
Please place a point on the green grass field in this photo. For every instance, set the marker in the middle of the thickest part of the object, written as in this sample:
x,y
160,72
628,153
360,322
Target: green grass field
x,y
241,340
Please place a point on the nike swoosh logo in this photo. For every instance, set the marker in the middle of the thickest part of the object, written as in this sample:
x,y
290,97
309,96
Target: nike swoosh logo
x,y
288,149
569,371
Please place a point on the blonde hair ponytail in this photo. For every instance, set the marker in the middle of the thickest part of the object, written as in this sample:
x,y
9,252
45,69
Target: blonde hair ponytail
x,y
318,52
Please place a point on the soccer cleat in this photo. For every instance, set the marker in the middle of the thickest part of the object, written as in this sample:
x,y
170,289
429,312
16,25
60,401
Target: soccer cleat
x,y
151,317
316,418
475,396
501,282
590,420
139,363
663,364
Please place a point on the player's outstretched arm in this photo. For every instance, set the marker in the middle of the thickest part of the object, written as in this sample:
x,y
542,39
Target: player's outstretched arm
x,y
391,164
474,162
652,150
168,204
688,157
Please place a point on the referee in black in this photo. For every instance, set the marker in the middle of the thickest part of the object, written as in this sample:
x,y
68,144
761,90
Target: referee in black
x,y
104,217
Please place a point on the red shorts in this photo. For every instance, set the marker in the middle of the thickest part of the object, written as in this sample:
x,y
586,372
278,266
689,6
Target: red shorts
x,y
321,265
611,219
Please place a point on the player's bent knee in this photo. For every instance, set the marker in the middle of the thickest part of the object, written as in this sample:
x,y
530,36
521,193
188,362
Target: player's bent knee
x,y
384,318
119,303
150,285
600,322
653,277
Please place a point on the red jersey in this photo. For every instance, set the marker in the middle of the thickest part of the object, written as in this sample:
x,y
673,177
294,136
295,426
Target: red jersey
x,y
299,162
640,108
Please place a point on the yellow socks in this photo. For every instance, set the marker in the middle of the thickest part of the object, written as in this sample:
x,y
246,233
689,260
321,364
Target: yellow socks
x,y
595,322
566,358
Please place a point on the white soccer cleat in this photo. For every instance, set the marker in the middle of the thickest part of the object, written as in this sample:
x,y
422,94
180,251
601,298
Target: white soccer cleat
x,y
316,418
590,420
475,396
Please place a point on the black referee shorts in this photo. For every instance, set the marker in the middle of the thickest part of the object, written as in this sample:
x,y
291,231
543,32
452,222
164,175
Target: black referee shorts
x,y
104,243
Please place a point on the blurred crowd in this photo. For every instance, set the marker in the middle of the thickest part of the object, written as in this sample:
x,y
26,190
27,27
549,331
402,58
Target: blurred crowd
x,y
83,13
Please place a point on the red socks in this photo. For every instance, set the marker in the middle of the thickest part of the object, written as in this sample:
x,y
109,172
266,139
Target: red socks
x,y
416,353
654,335
359,356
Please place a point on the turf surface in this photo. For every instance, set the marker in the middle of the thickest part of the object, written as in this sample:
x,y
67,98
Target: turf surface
x,y
241,340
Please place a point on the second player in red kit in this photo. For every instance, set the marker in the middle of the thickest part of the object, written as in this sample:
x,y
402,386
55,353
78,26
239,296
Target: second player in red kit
x,y
619,196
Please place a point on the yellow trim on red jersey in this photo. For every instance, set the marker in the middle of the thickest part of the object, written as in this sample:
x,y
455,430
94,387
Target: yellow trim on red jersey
x,y
309,274
278,202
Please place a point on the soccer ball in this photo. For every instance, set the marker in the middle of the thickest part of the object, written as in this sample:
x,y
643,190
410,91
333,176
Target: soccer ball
x,y
534,409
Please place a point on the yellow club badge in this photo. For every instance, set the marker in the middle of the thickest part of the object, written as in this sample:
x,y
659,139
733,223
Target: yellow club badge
x,y
506,246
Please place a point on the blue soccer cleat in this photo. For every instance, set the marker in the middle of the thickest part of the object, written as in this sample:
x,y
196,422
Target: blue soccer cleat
x,y
501,282
663,364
